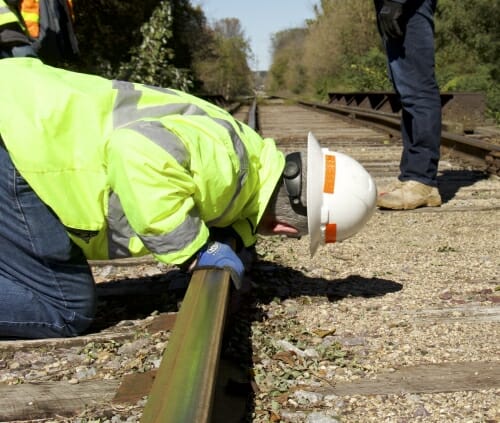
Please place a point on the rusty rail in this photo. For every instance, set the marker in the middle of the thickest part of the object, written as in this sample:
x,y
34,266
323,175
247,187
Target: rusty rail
x,y
184,386
253,116
473,150
465,108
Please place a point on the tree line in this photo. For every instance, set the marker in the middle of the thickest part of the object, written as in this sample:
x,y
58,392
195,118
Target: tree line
x,y
340,50
162,42
171,43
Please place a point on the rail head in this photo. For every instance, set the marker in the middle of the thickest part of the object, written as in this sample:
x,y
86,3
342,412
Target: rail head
x,y
183,389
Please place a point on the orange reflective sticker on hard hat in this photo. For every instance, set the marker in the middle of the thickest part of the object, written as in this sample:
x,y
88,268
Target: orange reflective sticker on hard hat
x,y
330,233
330,168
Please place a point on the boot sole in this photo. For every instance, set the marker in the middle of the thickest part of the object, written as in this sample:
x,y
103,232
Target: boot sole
x,y
430,202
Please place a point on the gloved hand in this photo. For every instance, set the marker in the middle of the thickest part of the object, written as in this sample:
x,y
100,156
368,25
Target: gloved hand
x,y
229,236
221,256
388,19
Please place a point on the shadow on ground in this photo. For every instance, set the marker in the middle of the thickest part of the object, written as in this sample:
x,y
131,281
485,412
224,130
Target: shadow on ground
x,y
450,181
272,282
137,298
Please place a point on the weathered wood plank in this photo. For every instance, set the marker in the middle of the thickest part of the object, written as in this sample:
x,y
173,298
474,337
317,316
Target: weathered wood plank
x,y
469,313
428,378
164,321
49,399
132,261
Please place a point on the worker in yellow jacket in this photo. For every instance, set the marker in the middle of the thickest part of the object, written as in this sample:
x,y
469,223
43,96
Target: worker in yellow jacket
x,y
43,28
92,168
14,38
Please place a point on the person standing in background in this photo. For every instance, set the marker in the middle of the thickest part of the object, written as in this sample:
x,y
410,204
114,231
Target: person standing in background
x,y
14,39
407,30
38,28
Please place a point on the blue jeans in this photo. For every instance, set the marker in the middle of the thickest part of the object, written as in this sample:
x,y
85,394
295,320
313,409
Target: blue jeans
x,y
46,287
411,70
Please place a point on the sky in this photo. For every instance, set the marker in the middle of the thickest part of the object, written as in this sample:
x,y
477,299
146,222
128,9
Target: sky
x,y
259,20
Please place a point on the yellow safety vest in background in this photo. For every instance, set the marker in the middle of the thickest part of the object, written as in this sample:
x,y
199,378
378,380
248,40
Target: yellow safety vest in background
x,y
31,14
30,11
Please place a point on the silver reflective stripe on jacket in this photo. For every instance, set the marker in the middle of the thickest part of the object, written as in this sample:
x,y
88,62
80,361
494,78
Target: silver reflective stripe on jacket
x,y
177,239
126,113
119,230
126,107
241,151
120,233
162,137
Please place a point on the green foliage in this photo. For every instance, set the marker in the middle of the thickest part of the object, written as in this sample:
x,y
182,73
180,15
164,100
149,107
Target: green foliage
x,y
330,52
322,86
468,33
468,48
189,33
365,73
107,30
160,42
288,71
224,66
151,61
341,50
276,81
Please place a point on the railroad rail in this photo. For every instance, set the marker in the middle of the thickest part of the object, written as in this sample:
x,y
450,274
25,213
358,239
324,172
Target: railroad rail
x,y
184,386
462,110
399,322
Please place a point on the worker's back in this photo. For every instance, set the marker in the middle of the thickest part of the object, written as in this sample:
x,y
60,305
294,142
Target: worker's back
x,y
77,138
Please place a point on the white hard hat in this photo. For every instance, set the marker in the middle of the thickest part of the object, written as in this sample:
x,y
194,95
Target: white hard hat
x,y
341,195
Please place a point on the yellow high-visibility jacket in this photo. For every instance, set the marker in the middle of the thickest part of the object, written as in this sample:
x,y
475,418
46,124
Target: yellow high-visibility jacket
x,y
10,19
7,16
129,168
13,31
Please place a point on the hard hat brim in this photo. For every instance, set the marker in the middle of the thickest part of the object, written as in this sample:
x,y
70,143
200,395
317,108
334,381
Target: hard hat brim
x,y
341,195
315,172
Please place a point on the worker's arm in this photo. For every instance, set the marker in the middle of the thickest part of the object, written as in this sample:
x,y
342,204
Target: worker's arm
x,y
157,196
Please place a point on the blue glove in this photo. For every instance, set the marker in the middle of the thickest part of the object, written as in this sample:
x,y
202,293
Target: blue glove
x,y
221,256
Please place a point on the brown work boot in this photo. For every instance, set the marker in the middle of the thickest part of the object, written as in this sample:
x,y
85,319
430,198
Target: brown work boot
x,y
390,187
409,195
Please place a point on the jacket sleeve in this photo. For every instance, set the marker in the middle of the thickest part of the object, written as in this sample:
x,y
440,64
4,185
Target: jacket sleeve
x,y
246,229
12,32
156,192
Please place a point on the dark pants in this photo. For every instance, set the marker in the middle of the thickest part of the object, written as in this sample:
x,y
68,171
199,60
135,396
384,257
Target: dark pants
x,y
411,70
46,287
